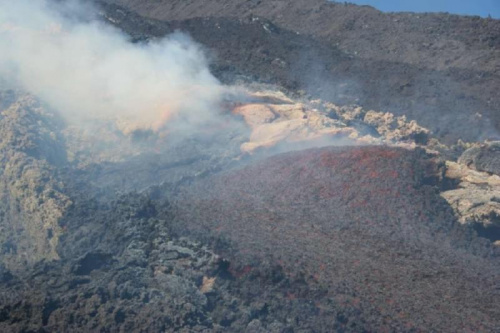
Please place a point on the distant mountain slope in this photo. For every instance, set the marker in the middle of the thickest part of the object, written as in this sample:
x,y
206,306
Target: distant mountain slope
x,y
441,70
436,41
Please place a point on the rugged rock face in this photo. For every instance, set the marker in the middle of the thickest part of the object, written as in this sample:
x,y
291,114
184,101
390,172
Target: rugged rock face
x,y
31,194
136,278
276,119
475,189
484,157
475,199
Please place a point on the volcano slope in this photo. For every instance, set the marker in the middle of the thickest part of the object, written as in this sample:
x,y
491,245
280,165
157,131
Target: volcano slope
x,y
157,237
359,236
115,231
439,69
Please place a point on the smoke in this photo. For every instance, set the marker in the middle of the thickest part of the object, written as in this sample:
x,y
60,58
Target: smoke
x,y
88,70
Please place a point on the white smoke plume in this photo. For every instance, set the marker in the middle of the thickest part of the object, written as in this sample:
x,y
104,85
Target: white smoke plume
x,y
88,70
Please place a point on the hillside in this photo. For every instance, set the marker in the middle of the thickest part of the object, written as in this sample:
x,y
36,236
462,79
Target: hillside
x,y
441,70
341,223
247,166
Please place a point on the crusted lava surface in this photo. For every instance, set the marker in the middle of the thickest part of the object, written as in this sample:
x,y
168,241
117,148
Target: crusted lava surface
x,y
360,229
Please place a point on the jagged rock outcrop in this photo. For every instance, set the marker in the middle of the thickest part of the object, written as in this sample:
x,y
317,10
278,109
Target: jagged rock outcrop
x,y
138,278
483,157
396,129
288,122
276,119
32,197
476,198
475,188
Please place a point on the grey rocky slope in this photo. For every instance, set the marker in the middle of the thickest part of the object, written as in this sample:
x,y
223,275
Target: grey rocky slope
x,y
401,37
441,70
130,255
112,232
32,194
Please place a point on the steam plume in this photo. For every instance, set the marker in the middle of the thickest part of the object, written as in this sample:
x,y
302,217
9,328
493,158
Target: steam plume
x,y
88,70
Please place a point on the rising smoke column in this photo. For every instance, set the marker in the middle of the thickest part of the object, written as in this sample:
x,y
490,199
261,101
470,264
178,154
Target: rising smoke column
x,y
88,70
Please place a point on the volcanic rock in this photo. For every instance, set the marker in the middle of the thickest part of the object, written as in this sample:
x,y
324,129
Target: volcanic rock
x,y
396,128
484,157
361,227
120,229
289,123
32,198
276,119
475,198
432,68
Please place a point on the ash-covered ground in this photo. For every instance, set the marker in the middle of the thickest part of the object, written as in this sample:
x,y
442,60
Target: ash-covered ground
x,y
287,209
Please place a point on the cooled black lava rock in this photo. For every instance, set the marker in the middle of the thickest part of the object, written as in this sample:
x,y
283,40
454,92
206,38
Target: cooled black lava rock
x,y
485,157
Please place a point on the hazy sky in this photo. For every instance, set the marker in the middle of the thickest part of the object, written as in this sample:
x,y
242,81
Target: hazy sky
x,y
467,7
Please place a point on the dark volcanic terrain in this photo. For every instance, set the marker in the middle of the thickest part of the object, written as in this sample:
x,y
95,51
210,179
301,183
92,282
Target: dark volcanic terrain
x,y
361,232
342,186
441,70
